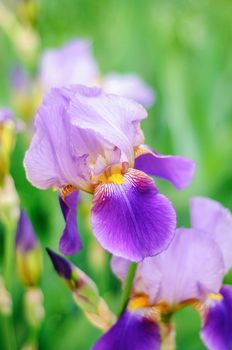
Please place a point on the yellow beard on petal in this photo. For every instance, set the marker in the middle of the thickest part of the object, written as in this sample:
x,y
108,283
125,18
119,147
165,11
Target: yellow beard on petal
x,y
138,302
113,175
117,179
215,296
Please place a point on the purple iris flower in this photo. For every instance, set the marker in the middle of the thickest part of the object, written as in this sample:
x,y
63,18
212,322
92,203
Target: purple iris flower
x,y
131,86
91,141
189,272
71,64
74,63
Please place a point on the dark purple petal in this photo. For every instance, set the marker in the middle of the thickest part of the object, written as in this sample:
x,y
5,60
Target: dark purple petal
x,y
217,329
62,266
132,331
177,170
70,241
131,219
25,235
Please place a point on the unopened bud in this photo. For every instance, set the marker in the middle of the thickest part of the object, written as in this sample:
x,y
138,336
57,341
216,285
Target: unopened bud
x,y
28,252
85,292
5,300
9,201
34,307
7,139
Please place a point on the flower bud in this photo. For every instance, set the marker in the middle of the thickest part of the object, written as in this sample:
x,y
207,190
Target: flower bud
x,y
7,138
85,292
34,309
9,201
28,252
5,300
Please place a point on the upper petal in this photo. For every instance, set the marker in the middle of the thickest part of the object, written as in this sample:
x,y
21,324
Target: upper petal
x,y
129,85
132,219
70,241
72,63
52,159
113,117
210,216
216,332
131,331
177,170
191,267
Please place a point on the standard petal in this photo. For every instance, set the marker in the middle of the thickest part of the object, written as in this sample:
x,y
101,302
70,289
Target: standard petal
x,y
70,241
132,220
131,331
210,216
52,159
191,267
131,86
116,119
71,64
216,332
177,170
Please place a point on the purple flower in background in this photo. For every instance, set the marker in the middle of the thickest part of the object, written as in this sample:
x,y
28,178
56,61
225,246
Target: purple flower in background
x,y
71,64
5,115
28,253
74,63
88,140
189,272
129,85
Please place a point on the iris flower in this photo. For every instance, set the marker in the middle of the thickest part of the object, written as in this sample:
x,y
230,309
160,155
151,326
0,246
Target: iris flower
x,y
189,272
91,141
74,63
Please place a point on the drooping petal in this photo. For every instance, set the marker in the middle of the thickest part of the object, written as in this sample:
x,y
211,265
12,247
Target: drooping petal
x,y
25,235
132,219
70,241
210,216
191,267
132,331
71,64
177,170
113,117
129,85
216,332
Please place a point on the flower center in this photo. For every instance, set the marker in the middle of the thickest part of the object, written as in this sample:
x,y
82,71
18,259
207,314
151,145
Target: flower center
x,y
114,174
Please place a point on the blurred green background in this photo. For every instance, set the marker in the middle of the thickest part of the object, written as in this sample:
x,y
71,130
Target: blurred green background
x,y
183,49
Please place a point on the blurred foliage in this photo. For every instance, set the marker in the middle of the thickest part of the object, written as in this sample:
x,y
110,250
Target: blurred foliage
x,y
183,49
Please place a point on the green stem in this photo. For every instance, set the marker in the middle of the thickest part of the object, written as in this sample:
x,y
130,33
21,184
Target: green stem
x,y
8,259
8,332
127,286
